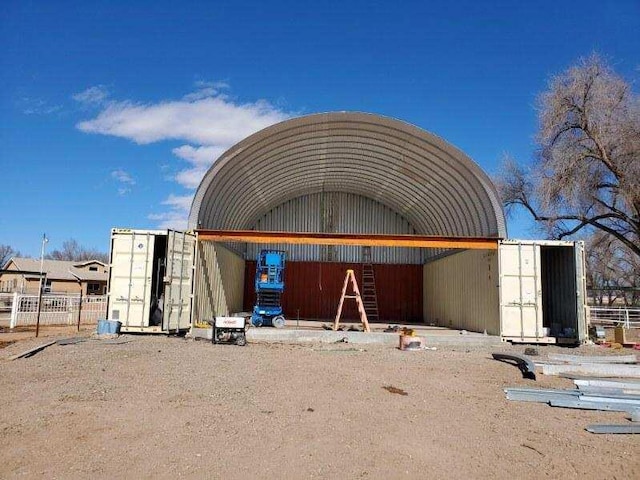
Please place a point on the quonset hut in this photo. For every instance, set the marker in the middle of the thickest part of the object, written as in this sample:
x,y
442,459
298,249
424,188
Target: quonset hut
x,y
417,220
348,190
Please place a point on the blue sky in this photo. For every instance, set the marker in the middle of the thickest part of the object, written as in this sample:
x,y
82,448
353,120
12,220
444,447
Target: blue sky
x,y
110,112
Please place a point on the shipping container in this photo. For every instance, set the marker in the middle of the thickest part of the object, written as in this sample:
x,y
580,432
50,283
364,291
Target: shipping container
x,y
527,291
150,280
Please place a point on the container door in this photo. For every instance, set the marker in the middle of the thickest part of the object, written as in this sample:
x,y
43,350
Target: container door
x,y
520,290
581,292
178,281
130,278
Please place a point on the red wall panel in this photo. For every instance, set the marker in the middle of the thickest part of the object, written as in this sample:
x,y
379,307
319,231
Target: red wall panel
x,y
314,289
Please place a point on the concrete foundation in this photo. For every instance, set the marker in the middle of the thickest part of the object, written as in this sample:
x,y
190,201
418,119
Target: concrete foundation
x,y
432,336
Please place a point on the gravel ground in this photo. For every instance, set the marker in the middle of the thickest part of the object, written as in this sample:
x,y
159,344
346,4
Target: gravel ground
x,y
166,407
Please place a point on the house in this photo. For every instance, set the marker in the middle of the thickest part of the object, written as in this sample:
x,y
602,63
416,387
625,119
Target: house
x,y
61,276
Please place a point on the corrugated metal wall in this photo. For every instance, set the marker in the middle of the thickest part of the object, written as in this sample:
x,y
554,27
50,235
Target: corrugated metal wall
x,y
219,282
336,212
461,291
312,290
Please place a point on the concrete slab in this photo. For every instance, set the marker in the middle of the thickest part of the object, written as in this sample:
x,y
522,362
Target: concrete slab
x,y
292,335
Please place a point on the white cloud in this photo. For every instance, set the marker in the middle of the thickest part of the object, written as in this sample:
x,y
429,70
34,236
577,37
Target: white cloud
x,y
38,106
172,219
198,155
178,215
200,159
123,177
191,178
208,119
206,89
92,96
179,202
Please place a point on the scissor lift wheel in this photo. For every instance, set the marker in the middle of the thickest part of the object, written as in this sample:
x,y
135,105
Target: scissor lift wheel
x,y
278,321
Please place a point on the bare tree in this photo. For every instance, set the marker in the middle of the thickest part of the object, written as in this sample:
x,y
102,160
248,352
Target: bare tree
x,y
7,253
586,174
613,271
600,271
71,250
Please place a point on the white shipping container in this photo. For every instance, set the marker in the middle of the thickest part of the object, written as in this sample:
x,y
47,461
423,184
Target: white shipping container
x,y
527,291
542,291
537,295
150,280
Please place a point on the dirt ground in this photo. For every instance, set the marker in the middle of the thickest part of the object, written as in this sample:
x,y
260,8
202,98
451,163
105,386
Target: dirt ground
x,y
167,407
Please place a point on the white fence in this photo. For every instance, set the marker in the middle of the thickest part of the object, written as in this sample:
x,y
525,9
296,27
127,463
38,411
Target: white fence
x,y
6,301
55,309
615,316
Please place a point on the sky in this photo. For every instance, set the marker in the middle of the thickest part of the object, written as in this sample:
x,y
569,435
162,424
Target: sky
x,y
111,112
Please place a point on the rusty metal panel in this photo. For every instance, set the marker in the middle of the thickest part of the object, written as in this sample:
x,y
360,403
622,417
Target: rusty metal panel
x,y
336,212
218,289
312,290
461,291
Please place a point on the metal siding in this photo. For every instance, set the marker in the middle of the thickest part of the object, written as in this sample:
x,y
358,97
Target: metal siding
x,y
312,290
337,212
461,291
232,270
298,215
435,185
219,282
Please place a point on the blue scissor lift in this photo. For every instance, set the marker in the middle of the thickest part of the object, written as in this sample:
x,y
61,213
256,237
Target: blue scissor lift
x,y
269,285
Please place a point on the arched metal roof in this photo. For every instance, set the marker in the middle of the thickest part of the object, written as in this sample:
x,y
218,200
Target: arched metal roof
x,y
439,189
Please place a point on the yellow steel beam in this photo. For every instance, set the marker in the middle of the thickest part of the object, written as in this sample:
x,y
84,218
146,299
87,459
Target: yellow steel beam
x,y
373,240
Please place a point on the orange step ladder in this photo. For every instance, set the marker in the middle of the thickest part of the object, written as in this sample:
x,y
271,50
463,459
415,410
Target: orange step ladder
x,y
355,295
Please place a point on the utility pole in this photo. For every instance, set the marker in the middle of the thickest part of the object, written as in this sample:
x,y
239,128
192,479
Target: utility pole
x,y
44,243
